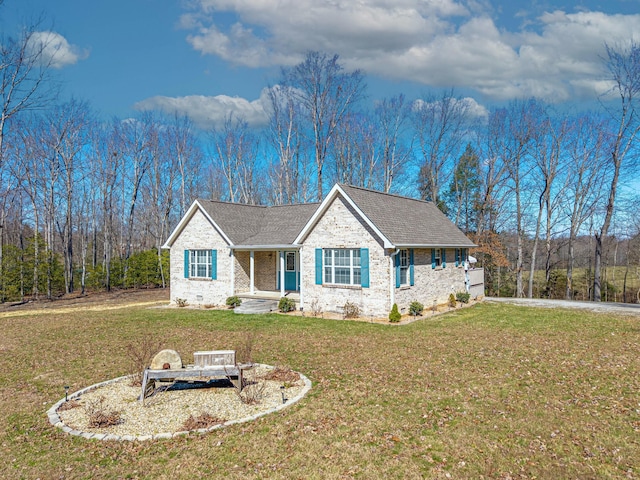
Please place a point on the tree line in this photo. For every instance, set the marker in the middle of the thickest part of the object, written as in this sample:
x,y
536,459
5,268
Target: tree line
x,y
87,203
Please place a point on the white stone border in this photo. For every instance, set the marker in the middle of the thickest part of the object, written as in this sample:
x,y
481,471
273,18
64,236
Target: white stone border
x,y
55,420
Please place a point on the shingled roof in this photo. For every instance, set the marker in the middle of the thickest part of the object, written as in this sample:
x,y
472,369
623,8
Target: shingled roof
x,y
407,221
254,225
402,221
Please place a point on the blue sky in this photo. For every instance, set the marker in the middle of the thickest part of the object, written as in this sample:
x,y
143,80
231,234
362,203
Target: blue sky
x,y
206,58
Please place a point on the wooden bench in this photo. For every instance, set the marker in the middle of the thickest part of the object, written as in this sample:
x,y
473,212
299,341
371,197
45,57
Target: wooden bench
x,y
211,364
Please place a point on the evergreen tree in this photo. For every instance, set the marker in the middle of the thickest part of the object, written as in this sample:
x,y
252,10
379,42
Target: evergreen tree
x,y
463,195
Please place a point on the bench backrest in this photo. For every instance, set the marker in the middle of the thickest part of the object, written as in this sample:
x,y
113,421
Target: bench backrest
x,y
214,357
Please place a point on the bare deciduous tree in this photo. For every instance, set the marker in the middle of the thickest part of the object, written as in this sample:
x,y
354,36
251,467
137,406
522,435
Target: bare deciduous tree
x,y
391,116
439,125
234,153
623,68
289,172
327,94
23,86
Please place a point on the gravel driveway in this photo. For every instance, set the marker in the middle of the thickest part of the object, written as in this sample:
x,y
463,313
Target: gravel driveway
x,y
602,307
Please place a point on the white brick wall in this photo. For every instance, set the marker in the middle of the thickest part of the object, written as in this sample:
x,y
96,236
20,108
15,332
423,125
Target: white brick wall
x,y
431,284
200,234
340,227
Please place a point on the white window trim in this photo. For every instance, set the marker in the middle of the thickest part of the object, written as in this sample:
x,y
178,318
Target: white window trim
x,y
352,268
194,263
438,257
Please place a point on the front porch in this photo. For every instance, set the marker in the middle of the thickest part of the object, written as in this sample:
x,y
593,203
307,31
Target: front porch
x,y
266,274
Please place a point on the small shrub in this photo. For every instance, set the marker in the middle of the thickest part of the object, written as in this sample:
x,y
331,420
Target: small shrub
x,y
71,404
452,300
351,310
204,420
181,302
99,417
234,301
244,349
463,297
286,304
139,354
416,308
394,315
282,374
252,392
316,309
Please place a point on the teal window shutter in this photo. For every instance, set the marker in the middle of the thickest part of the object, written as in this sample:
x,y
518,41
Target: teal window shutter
x,y
433,258
444,257
364,267
411,275
214,264
397,259
457,256
318,266
186,264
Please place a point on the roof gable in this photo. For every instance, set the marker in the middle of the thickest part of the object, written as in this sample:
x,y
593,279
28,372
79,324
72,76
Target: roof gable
x,y
398,221
243,225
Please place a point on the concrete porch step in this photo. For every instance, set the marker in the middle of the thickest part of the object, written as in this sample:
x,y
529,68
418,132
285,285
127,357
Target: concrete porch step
x,y
257,305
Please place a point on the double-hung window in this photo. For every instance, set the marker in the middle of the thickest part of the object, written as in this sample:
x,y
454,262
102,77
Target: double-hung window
x,y
404,267
437,258
200,264
342,266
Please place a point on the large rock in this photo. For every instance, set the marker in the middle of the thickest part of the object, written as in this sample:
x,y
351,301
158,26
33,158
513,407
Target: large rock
x,y
164,358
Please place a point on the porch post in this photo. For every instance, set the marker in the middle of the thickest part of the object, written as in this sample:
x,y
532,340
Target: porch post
x,y
251,272
300,293
233,273
282,273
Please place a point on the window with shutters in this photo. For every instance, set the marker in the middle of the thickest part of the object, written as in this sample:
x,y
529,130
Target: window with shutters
x,y
404,267
437,258
200,264
342,266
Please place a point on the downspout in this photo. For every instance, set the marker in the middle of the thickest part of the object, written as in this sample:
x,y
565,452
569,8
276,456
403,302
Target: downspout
x,y
392,279
232,253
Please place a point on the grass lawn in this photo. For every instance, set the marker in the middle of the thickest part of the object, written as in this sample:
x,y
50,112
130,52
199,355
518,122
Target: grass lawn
x,y
491,391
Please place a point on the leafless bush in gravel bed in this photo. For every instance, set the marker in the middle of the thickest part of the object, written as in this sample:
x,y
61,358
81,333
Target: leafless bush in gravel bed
x,y
282,374
204,420
99,417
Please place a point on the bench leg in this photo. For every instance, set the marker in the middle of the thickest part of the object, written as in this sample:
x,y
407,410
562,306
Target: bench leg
x,y
148,385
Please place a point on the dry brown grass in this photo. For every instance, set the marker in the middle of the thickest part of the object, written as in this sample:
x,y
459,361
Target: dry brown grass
x,y
491,391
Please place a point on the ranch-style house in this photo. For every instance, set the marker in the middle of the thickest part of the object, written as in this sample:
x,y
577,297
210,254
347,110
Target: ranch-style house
x,y
360,246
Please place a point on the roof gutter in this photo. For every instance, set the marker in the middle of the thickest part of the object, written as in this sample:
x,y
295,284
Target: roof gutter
x,y
285,246
434,245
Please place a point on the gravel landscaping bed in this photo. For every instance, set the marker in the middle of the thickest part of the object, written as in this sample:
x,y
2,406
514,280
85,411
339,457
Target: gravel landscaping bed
x,y
165,413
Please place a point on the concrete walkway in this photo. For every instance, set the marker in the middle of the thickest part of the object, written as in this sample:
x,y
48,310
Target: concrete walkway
x,y
601,307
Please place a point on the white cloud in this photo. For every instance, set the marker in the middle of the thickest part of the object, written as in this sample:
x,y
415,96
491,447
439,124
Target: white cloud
x,y
440,43
208,112
54,50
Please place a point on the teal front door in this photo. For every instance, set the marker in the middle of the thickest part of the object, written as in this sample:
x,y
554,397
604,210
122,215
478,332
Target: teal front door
x,y
290,271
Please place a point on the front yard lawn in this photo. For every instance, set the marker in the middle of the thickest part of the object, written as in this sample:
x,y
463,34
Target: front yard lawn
x,y
491,391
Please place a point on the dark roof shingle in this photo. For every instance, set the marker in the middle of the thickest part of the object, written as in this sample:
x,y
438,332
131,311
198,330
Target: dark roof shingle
x,y
407,221
259,225
403,221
